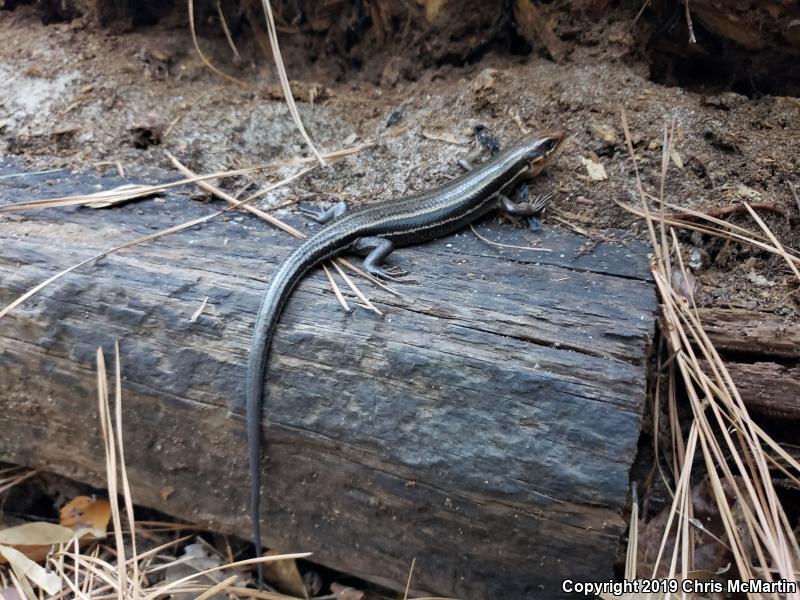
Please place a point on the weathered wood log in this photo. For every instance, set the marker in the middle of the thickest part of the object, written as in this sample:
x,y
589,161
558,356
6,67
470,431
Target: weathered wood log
x,y
486,425
754,345
768,388
752,333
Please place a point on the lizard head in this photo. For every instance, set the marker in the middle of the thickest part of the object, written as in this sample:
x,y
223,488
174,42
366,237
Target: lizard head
x,y
540,146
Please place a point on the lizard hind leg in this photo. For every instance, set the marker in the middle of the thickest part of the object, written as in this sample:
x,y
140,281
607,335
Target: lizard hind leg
x,y
376,250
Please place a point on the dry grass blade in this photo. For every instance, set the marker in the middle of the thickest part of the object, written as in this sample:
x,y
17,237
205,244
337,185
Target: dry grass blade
x,y
226,30
234,203
90,577
353,286
639,187
162,526
240,592
337,292
486,240
408,581
218,588
111,469
6,483
287,91
169,587
595,237
110,197
633,537
372,279
190,5
126,490
790,260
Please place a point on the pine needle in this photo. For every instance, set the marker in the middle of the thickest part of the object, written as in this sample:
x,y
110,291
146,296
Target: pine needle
x,y
287,90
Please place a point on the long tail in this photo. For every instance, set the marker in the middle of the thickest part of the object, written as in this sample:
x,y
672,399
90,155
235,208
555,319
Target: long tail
x,y
310,252
280,287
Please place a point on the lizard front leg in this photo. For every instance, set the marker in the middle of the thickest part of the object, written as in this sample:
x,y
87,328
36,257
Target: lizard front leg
x,y
324,216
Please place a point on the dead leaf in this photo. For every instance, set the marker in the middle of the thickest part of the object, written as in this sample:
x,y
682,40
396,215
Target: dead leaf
x,y
32,534
443,137
83,512
486,80
747,192
606,134
35,539
302,91
709,555
81,518
684,284
676,158
343,592
167,492
596,171
27,570
283,574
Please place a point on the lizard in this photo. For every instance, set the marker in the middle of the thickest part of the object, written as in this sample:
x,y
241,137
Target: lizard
x,y
375,230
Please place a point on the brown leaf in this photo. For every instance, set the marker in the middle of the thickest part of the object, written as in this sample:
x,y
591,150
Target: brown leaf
x,y
83,512
34,539
283,574
684,283
596,171
710,555
343,592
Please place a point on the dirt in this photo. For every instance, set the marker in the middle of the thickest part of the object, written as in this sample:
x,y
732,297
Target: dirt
x,y
80,96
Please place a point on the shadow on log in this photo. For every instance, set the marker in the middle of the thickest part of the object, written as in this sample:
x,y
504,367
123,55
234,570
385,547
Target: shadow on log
x,y
496,411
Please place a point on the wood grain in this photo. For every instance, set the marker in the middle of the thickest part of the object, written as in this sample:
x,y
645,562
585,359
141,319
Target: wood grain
x,y
751,332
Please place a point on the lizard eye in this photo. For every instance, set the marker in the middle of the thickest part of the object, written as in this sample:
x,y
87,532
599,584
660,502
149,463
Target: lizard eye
x,y
543,147
548,145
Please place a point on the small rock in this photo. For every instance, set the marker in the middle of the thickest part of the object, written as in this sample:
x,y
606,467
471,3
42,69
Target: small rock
x,y
759,280
606,134
596,171
695,259
725,101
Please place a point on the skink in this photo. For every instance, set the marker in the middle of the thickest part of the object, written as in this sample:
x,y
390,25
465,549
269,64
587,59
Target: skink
x,y
376,230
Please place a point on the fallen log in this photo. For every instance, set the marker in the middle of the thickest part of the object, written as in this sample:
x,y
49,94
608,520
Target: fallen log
x,y
738,331
495,411
760,350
